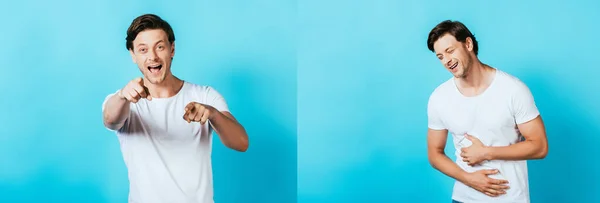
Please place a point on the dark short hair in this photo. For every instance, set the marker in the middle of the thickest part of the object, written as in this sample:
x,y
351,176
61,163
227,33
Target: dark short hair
x,y
147,22
454,28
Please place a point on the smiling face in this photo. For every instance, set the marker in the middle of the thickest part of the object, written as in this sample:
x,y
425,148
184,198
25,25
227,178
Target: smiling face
x,y
153,53
455,56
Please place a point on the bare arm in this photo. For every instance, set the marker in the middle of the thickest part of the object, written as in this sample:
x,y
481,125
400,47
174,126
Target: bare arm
x,y
535,145
478,180
115,112
232,133
436,143
531,127
117,109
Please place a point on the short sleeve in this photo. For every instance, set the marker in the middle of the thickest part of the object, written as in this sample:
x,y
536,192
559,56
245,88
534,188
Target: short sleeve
x,y
106,100
104,107
523,104
216,100
434,120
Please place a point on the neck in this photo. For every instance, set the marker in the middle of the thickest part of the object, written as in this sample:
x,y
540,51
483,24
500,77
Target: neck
x,y
477,77
167,88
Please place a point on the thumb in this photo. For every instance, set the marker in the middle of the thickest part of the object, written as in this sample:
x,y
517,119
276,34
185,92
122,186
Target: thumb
x,y
148,96
473,139
490,172
468,137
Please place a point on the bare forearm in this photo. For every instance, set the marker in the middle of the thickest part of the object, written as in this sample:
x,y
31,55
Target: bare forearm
x,y
115,112
232,134
444,164
525,150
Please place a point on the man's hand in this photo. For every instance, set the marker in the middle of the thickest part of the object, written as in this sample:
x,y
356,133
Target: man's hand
x,y
134,91
474,154
480,181
196,112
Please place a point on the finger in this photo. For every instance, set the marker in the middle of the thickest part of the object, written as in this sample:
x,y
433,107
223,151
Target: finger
x,y
186,116
199,112
147,92
475,140
464,149
499,187
189,106
188,109
137,95
468,137
134,93
139,80
127,96
191,116
140,90
205,116
133,96
198,117
199,107
494,191
490,171
490,194
497,181
465,160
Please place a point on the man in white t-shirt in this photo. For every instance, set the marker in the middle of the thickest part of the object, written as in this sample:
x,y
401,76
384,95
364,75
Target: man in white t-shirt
x,y
493,119
165,124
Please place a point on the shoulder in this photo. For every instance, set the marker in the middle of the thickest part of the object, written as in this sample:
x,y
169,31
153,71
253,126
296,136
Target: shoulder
x,y
442,90
197,88
511,82
201,91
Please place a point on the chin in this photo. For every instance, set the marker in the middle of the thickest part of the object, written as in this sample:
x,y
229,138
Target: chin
x,y
156,80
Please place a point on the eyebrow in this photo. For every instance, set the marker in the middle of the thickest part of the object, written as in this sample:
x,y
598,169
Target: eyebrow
x,y
159,41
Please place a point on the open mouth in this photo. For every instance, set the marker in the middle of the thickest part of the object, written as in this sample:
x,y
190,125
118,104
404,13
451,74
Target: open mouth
x,y
154,68
453,66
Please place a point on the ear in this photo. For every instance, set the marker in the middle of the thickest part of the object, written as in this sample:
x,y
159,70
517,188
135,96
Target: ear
x,y
469,43
132,55
172,50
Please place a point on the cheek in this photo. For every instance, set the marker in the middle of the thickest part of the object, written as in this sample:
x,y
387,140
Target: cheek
x,y
164,55
459,57
139,58
140,62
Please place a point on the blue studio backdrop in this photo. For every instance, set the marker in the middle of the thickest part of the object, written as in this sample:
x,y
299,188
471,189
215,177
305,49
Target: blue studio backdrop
x,y
59,60
365,75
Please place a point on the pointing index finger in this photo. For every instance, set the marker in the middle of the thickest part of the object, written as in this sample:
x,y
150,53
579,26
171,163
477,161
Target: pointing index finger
x,y
147,92
189,106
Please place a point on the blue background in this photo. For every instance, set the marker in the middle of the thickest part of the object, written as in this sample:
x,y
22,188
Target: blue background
x,y
365,75
363,78
59,59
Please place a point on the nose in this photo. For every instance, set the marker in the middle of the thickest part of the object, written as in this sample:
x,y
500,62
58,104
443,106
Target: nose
x,y
152,55
446,61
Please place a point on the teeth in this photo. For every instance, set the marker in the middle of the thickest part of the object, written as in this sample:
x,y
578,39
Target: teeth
x,y
454,66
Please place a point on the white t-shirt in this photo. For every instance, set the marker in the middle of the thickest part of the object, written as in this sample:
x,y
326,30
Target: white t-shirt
x,y
168,159
492,117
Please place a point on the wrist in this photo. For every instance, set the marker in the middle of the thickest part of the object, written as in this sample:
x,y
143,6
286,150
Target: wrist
x,y
488,153
463,177
214,114
120,95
